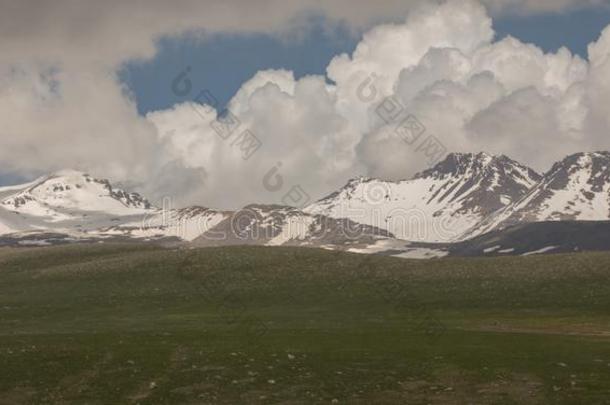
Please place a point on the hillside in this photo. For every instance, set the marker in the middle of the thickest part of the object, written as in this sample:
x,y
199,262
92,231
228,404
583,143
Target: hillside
x,y
538,237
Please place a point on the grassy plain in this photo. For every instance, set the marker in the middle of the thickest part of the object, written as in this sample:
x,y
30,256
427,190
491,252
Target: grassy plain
x,y
114,324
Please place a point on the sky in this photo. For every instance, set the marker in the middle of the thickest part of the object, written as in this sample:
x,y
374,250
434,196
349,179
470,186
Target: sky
x,y
97,86
223,62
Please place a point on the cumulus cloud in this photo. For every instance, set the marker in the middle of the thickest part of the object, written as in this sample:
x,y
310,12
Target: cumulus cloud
x,y
442,67
63,105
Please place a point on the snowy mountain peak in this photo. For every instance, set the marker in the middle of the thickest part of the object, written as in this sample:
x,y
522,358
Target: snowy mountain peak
x,y
576,188
360,180
438,204
594,165
470,164
458,164
72,190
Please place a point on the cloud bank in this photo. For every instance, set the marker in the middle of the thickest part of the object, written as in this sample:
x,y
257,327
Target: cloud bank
x,y
63,106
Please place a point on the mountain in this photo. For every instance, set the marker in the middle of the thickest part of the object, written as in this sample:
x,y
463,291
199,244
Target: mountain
x,y
468,204
275,225
58,194
576,188
70,206
74,203
437,205
66,200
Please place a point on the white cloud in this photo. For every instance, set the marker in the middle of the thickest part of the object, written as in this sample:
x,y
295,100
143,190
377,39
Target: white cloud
x,y
63,106
442,65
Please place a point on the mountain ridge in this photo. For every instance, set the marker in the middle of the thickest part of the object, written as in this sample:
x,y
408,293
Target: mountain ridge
x,y
576,188
463,196
445,200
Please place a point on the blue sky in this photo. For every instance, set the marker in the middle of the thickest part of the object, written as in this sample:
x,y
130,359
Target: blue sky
x,y
221,63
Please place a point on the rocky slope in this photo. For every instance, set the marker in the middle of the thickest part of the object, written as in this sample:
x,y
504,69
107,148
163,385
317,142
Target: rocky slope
x,y
437,205
576,189
275,225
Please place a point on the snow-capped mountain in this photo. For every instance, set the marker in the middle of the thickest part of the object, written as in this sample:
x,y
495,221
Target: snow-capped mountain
x,y
576,188
437,205
56,195
464,205
275,225
71,205
80,205
66,200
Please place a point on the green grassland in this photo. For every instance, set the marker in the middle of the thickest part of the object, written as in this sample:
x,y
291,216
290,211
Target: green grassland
x,y
128,324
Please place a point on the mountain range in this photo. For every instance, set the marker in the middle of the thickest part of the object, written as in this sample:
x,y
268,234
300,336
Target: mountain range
x,y
457,207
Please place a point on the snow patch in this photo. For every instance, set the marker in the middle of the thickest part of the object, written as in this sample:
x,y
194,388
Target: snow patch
x,y
540,251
